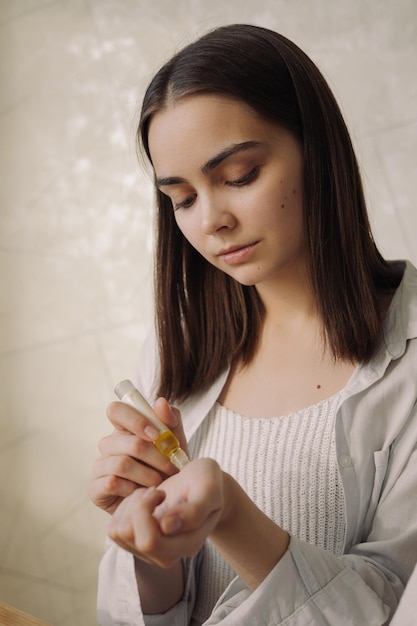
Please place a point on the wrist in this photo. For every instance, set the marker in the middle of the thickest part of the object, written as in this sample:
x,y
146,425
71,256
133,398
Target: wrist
x,y
249,540
159,589
230,487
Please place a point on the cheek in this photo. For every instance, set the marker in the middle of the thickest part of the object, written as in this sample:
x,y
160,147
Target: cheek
x,y
280,207
290,194
188,229
289,207
286,221
282,191
181,223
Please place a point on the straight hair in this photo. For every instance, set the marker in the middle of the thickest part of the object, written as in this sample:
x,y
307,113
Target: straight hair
x,y
207,321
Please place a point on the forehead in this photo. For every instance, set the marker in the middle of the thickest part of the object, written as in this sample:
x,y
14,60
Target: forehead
x,y
200,126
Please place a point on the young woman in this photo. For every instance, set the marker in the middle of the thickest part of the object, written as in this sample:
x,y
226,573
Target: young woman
x,y
289,347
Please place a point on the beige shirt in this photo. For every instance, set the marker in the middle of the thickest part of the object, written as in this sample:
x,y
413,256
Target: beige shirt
x,y
376,447
406,614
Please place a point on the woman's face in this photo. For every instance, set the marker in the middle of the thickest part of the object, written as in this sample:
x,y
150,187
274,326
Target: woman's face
x,y
235,182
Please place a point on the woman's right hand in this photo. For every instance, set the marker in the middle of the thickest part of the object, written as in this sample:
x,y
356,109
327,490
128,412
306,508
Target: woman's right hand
x,y
128,459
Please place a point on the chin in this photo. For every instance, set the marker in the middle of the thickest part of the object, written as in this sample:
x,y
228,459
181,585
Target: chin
x,y
248,280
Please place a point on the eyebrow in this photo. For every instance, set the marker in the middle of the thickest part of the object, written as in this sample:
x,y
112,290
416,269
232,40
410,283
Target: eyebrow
x,y
212,163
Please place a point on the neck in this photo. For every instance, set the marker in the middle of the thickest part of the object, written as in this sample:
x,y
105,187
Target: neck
x,y
289,303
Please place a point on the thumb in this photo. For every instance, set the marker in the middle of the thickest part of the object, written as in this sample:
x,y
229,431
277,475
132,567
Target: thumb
x,y
171,416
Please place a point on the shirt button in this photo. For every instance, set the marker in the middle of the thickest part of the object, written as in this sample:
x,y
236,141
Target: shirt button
x,y
345,460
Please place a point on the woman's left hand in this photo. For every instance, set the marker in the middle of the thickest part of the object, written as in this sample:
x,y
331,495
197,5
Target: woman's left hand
x,y
161,525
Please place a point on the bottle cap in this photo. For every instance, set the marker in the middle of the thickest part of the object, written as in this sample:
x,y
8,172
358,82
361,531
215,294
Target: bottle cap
x,y
122,388
179,458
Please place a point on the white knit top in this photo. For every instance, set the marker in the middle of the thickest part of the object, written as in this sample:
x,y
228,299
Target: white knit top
x,y
287,465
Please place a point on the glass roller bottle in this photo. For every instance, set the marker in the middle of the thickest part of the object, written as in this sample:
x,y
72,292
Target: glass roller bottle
x,y
166,443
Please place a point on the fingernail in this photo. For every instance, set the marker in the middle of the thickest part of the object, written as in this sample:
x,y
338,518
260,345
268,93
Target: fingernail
x,y
149,493
151,432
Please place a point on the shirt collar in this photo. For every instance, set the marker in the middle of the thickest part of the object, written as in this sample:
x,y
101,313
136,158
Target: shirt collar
x,y
400,323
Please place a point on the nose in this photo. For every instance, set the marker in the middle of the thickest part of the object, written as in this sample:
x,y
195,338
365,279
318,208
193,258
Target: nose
x,y
216,216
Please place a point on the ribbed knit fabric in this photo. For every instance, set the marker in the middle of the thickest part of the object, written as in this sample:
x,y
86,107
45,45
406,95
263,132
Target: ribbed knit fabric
x,y
287,465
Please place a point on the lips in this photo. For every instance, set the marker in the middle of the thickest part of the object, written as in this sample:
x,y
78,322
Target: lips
x,y
237,254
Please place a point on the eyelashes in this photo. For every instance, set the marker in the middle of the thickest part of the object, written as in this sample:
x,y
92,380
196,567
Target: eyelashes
x,y
239,182
245,180
185,203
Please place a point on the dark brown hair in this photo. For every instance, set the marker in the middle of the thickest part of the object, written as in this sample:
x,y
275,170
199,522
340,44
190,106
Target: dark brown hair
x,y
205,319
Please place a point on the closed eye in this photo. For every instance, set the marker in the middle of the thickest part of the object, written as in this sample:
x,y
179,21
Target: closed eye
x,y
238,182
245,180
184,204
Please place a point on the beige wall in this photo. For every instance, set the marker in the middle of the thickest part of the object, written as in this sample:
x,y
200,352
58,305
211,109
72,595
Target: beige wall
x,y
75,234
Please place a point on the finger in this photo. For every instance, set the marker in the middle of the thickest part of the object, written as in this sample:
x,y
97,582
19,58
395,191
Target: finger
x,y
127,468
133,526
127,419
172,418
192,496
126,444
177,541
188,517
107,492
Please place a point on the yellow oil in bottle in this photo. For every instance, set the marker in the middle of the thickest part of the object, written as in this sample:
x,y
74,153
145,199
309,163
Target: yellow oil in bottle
x,y
167,443
169,446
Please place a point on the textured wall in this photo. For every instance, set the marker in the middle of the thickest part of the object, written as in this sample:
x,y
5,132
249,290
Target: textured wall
x,y
75,234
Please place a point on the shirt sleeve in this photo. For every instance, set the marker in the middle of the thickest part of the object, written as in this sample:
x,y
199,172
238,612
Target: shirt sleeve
x,y
118,597
314,586
407,610
310,586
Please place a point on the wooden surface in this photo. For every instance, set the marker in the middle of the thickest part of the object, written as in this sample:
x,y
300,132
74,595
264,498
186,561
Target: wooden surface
x,y
10,616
